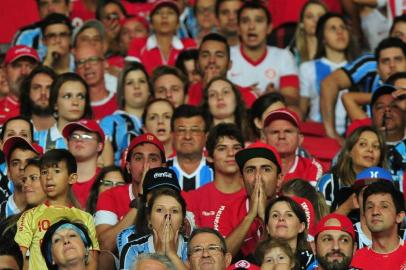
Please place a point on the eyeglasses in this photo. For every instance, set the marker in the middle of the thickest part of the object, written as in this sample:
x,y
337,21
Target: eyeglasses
x,y
93,60
54,36
198,251
194,131
81,137
109,183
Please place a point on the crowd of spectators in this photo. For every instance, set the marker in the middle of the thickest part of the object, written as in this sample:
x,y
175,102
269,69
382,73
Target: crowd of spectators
x,y
205,134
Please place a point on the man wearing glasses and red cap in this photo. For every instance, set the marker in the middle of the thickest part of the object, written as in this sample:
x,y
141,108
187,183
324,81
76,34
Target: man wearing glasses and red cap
x,y
282,131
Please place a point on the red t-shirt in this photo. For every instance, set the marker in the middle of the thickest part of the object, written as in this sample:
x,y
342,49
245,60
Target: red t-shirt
x,y
82,190
195,95
207,211
234,215
80,13
104,107
9,107
113,205
368,259
147,51
305,168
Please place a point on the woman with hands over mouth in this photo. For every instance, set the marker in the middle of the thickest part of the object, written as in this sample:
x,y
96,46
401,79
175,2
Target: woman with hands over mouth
x,y
160,228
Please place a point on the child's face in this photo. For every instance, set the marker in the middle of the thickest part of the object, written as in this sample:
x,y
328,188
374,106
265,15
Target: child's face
x,y
55,179
276,258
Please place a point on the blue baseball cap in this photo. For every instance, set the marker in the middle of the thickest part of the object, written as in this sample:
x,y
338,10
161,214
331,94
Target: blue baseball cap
x,y
370,175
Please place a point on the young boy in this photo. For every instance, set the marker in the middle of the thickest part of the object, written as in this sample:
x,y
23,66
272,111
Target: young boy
x,y
58,173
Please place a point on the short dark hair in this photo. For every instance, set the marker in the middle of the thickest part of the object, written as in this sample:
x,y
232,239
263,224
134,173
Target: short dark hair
x,y
56,86
216,37
254,4
390,42
396,20
25,101
198,231
396,76
186,55
218,4
103,3
55,18
187,111
10,248
220,131
54,156
169,70
4,127
385,187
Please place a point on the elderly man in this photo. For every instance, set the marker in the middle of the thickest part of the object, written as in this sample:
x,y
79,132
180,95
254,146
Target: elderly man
x,y
282,131
207,250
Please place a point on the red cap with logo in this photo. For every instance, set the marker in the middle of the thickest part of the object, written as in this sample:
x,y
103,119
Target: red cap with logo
x,y
14,141
146,138
19,51
309,211
282,114
345,224
89,125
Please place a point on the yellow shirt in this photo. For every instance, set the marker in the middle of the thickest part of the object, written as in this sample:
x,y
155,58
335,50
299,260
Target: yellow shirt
x,y
33,224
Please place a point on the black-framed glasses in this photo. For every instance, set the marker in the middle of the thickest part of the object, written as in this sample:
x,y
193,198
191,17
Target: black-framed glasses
x,y
91,60
110,183
198,251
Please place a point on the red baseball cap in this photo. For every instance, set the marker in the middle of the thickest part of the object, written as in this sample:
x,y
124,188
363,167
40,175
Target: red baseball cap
x,y
258,149
309,211
164,3
243,264
146,138
19,51
89,125
14,141
356,124
345,224
282,114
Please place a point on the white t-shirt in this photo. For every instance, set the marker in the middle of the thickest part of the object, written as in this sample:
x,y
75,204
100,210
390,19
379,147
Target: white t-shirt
x,y
276,64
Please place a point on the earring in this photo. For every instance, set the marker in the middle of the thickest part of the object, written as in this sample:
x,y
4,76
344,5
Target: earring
x,y
150,226
86,256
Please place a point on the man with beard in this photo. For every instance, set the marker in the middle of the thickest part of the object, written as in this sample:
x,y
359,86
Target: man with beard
x,y
34,97
334,242
19,62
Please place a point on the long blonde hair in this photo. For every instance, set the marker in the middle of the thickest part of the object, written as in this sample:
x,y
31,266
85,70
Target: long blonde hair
x,y
300,35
